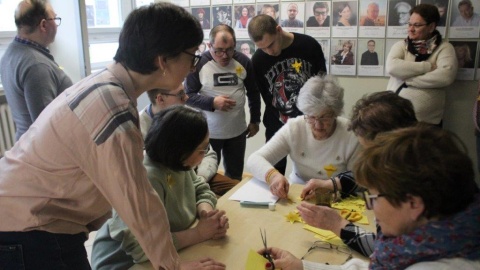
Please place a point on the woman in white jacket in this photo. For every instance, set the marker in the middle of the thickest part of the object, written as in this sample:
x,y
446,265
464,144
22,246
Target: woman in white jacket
x,y
422,65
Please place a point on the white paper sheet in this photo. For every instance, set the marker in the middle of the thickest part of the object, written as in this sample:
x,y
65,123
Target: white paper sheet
x,y
254,191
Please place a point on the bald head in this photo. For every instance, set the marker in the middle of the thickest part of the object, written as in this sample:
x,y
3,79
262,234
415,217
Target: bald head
x,y
35,20
29,14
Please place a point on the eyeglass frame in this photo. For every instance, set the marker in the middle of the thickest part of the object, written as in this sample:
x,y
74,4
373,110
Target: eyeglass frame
x,y
204,151
55,19
180,95
322,120
320,13
196,58
220,53
371,198
416,25
331,246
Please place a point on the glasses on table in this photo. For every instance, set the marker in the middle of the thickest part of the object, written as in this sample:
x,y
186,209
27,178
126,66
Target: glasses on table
x,y
322,245
321,120
219,52
57,20
196,58
370,198
180,95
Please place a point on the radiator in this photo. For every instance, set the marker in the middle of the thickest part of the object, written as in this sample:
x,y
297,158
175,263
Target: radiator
x,y
7,129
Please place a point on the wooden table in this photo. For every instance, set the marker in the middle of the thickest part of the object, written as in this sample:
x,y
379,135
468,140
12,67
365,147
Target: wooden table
x,y
244,234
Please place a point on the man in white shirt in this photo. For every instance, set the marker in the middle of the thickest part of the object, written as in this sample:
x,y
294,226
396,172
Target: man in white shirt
x,y
467,16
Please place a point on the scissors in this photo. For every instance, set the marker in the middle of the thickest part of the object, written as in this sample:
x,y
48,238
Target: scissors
x,y
266,254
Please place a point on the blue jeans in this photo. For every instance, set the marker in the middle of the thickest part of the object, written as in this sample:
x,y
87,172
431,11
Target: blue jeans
x,y
42,250
233,151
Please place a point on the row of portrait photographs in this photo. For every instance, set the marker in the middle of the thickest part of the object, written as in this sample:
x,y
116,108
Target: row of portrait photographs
x,y
371,18
367,57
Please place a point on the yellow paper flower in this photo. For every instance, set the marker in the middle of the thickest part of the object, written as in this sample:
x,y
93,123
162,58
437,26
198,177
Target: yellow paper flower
x,y
239,70
293,217
297,66
330,169
170,181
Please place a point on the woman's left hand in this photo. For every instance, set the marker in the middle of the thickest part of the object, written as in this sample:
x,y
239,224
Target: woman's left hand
x,y
322,217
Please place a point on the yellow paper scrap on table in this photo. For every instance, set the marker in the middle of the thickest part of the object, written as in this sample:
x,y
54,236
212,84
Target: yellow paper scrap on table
x,y
293,217
363,221
326,234
350,203
255,261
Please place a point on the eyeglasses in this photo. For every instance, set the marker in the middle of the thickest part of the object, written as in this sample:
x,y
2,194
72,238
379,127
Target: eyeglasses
x,y
196,58
204,151
228,51
180,95
327,246
57,20
321,120
370,198
320,13
416,25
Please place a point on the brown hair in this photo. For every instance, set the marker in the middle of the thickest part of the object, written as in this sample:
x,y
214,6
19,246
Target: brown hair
x,y
423,161
380,112
261,25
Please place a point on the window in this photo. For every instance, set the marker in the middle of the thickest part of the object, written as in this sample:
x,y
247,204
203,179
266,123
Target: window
x,y
8,30
104,21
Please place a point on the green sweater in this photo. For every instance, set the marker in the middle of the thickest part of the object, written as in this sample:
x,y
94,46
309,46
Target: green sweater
x,y
180,192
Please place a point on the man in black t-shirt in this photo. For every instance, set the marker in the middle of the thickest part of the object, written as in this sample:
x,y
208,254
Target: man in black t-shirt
x,y
283,62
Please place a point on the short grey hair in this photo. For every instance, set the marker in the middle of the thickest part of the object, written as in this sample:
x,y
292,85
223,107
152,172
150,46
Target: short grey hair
x,y
320,93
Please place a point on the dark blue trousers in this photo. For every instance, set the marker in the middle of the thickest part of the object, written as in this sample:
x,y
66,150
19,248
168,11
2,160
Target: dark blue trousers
x,y
43,250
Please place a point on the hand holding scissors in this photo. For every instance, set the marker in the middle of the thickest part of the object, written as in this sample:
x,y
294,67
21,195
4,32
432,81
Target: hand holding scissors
x,y
266,254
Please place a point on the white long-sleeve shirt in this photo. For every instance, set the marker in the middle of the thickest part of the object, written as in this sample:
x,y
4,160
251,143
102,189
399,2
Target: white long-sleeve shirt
x,y
309,156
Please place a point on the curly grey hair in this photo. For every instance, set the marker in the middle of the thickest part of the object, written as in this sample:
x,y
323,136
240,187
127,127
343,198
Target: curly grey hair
x,y
320,93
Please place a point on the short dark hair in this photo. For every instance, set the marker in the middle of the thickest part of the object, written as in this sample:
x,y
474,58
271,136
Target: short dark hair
x,y
32,16
175,134
380,112
320,5
158,29
152,94
424,161
371,40
260,25
221,28
428,12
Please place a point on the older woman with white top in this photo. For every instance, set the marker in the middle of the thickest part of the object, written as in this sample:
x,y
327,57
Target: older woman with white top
x,y
318,142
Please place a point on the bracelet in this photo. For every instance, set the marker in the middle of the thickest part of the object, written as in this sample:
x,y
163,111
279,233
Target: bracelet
x,y
335,188
269,175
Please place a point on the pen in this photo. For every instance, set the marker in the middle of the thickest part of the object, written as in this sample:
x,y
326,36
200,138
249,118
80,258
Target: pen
x,y
254,204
